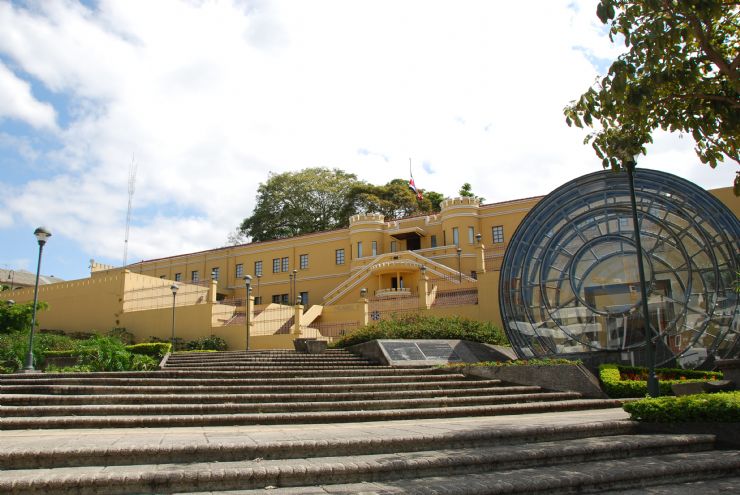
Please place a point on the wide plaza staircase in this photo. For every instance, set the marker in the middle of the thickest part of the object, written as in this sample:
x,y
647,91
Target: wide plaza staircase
x,y
366,429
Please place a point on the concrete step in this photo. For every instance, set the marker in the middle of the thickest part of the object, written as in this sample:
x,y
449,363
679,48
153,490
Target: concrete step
x,y
400,402
305,385
534,468
46,422
234,373
235,449
304,396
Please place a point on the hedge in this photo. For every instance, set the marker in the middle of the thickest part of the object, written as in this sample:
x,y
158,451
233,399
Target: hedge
x,y
523,362
153,349
617,387
419,327
723,407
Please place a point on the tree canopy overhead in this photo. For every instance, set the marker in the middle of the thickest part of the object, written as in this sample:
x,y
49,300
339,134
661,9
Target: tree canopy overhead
x,y
317,199
681,73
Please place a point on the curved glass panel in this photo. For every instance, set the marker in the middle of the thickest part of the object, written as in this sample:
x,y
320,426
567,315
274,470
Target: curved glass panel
x,y
569,279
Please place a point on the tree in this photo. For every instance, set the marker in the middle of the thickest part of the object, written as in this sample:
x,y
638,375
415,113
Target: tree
x,y
17,317
466,191
394,200
295,203
681,73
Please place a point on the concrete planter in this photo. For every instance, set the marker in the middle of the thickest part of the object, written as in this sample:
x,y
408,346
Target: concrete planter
x,y
565,378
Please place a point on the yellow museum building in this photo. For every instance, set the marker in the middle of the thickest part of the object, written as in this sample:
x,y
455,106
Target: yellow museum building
x,y
323,284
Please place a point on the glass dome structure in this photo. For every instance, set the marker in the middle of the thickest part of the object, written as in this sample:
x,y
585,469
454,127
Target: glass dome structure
x,y
569,279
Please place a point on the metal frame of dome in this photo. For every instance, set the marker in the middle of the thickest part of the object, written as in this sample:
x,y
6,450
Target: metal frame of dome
x,y
569,274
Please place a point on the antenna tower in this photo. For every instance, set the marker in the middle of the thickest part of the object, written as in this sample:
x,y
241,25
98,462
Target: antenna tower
x,y
131,189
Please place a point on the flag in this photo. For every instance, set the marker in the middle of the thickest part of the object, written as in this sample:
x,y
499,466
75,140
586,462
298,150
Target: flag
x,y
412,185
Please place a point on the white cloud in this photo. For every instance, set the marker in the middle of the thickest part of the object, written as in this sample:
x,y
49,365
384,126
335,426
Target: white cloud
x,y
17,102
211,96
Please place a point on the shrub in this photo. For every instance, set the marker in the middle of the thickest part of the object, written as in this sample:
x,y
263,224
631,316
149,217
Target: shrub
x,y
17,317
210,343
152,349
122,334
101,353
700,408
525,362
629,381
418,327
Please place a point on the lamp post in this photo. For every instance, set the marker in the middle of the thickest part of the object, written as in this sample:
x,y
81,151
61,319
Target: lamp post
x,y
11,277
248,287
174,289
259,276
42,235
459,264
652,380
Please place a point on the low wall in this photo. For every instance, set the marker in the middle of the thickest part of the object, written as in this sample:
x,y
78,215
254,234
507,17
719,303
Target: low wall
x,y
565,378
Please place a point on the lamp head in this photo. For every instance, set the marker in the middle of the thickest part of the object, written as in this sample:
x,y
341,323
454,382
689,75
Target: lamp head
x,y
478,237
174,288
363,292
248,280
42,234
459,251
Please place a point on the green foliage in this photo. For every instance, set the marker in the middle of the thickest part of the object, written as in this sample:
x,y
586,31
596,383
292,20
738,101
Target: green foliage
x,y
210,343
153,349
630,381
700,408
394,200
295,203
122,334
466,191
17,317
532,362
101,353
680,73
425,327
14,348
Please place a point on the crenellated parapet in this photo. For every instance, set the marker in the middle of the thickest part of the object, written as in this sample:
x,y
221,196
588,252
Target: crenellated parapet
x,y
366,218
459,202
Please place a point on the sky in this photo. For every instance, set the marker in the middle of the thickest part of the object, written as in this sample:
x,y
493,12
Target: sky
x,y
207,98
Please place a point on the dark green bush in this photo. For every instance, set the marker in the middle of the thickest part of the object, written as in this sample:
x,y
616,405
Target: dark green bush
x,y
700,408
152,349
419,327
617,380
210,343
17,317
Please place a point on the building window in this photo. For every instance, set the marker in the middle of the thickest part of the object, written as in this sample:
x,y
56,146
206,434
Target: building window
x,y
161,276
239,271
195,276
178,277
498,234
455,236
276,265
394,246
215,272
375,248
257,300
474,275
434,241
276,298
359,249
471,235
303,261
339,256
286,264
304,298
284,299
258,268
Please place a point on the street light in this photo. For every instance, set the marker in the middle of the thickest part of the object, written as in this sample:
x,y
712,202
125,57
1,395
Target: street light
x,y
248,284
363,293
652,380
174,289
295,283
259,276
42,235
459,269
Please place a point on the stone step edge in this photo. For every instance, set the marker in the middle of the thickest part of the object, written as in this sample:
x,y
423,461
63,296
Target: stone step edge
x,y
51,422
331,470
236,373
265,407
27,400
295,449
701,477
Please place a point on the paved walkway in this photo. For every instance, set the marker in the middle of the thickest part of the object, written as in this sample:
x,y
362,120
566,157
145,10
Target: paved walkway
x,y
22,440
